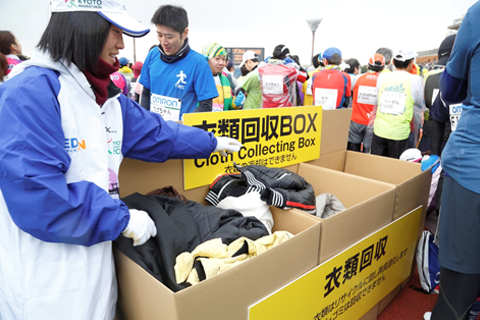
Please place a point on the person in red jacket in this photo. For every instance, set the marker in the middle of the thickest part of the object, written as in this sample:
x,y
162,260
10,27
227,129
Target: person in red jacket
x,y
331,87
364,106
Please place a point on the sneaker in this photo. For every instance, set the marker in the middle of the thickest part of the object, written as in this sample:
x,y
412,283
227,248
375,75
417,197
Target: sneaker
x,y
427,315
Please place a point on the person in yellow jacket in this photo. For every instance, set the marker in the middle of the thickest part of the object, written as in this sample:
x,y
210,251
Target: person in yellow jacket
x,y
398,92
307,85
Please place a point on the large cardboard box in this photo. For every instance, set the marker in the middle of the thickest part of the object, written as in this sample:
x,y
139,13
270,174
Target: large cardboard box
x,y
227,295
412,185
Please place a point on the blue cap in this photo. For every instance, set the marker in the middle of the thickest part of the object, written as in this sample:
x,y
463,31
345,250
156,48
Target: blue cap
x,y
328,54
123,61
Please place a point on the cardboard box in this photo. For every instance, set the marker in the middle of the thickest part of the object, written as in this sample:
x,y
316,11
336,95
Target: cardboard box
x,y
369,204
227,295
412,185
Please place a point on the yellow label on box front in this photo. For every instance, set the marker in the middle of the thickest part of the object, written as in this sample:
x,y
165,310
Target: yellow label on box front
x,y
276,137
351,283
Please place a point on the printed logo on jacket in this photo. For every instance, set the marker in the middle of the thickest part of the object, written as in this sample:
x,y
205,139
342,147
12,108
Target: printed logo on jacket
x,y
73,145
277,137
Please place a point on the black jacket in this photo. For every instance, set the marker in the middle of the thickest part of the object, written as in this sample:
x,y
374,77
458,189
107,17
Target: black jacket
x,y
278,187
180,228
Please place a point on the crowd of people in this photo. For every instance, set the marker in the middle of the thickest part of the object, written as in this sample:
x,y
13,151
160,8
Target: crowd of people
x,y
175,79
55,200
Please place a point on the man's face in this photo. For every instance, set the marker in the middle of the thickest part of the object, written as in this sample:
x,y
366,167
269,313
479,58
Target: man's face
x,y
217,64
170,40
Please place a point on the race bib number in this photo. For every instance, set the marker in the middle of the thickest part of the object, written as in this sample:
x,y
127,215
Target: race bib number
x,y
367,95
272,84
327,98
168,108
393,102
455,113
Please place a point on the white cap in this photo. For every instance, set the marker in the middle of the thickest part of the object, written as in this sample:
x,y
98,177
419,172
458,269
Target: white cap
x,y
111,10
404,55
412,155
248,55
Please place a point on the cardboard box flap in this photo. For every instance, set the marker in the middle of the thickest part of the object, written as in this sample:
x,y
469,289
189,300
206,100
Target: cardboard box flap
x,y
143,177
334,161
386,169
335,127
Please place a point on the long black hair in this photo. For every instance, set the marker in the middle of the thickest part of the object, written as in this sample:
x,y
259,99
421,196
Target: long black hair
x,y
77,37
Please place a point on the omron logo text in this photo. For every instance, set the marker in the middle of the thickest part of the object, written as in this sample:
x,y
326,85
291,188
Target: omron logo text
x,y
164,102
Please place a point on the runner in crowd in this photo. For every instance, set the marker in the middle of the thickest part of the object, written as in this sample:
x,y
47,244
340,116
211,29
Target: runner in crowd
x,y
442,117
459,249
387,53
398,92
11,47
279,75
307,85
229,72
176,79
250,86
217,57
364,106
331,88
136,90
125,68
120,81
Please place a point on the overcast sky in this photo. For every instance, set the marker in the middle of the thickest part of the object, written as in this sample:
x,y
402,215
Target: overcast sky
x,y
357,27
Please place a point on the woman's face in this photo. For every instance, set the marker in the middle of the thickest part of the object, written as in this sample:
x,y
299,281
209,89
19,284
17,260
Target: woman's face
x,y
113,45
16,47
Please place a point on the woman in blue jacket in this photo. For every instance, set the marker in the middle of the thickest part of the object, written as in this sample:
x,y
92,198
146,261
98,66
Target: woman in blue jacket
x,y
65,130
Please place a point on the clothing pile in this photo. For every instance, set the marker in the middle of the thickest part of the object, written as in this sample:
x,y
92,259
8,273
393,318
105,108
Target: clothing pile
x,y
182,225
194,242
277,187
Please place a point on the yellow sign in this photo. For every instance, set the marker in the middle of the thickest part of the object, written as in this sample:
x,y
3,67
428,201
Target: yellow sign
x,y
351,283
277,137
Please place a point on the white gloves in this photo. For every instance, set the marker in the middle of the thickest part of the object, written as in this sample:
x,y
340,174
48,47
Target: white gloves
x,y
227,145
140,227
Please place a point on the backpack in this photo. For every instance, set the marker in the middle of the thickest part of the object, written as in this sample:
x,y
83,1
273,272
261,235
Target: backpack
x,y
427,263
